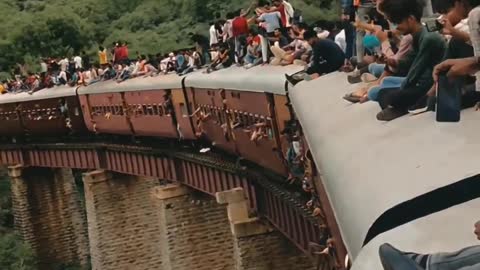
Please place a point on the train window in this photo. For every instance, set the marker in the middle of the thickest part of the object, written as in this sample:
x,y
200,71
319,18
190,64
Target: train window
x,y
184,110
144,109
155,109
160,110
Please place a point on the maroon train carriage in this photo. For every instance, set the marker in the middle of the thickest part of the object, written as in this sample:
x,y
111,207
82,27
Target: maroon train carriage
x,y
150,107
244,111
47,112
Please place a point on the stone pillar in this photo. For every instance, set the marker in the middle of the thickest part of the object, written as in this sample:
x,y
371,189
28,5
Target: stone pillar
x,y
195,232
49,215
256,245
123,228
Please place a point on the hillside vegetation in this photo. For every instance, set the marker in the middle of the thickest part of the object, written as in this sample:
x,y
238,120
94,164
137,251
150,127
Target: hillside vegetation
x,y
34,28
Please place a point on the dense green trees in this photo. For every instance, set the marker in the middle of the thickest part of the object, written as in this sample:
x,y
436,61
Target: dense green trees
x,y
35,28
14,253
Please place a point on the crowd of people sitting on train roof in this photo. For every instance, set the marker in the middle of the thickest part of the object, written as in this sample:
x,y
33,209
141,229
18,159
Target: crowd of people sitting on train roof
x,y
406,53
401,52
264,33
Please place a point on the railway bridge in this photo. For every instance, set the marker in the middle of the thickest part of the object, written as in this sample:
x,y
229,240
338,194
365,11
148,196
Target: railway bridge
x,y
207,171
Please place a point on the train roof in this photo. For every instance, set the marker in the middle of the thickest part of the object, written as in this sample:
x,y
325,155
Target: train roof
x,y
46,93
169,81
374,171
451,229
257,79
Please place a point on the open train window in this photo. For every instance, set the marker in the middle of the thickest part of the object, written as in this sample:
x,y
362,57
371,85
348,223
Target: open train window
x,y
155,109
160,110
184,110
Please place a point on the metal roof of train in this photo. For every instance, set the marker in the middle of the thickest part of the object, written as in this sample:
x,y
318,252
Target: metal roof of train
x,y
368,166
446,231
46,93
169,81
257,79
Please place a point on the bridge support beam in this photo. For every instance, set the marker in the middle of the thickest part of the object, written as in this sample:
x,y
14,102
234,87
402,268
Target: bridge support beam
x,y
49,215
256,245
122,224
195,230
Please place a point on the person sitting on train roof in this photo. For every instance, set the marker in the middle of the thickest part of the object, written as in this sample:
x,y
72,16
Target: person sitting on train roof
x,y
464,259
456,29
254,51
286,55
327,58
222,60
385,76
427,46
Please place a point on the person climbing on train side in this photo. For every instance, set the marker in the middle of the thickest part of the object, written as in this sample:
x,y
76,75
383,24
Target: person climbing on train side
x,y
327,57
464,259
427,46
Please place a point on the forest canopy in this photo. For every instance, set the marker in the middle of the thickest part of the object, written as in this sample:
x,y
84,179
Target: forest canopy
x,y
42,28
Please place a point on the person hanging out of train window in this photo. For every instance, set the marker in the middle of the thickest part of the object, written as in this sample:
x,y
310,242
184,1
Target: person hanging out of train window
x,y
427,46
222,60
327,58
464,259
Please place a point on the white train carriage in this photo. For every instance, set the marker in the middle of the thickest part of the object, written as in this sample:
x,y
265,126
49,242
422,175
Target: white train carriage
x,y
411,182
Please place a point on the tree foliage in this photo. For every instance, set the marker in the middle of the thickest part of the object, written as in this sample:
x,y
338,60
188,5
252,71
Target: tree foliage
x,y
39,28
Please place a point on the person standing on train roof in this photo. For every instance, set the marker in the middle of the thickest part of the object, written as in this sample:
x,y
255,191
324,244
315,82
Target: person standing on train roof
x,y
327,57
464,259
102,56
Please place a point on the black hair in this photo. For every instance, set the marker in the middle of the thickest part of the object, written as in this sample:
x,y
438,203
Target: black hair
x,y
230,15
442,6
302,25
101,48
398,10
309,34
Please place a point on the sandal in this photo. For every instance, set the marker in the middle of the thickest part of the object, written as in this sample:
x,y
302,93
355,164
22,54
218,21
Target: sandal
x,y
352,98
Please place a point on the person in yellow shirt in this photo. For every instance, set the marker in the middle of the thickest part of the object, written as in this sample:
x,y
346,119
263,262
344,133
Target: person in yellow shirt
x,y
102,55
2,88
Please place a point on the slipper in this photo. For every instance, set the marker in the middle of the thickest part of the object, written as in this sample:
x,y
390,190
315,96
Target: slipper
x,y
352,98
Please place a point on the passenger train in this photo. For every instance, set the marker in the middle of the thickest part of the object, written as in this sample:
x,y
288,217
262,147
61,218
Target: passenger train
x,y
411,182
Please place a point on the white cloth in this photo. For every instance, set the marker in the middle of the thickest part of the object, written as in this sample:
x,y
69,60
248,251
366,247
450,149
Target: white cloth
x,y
63,64
289,12
78,61
341,41
63,75
213,35
474,26
227,30
43,67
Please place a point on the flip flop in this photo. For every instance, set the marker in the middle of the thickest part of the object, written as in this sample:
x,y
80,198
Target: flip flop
x,y
352,98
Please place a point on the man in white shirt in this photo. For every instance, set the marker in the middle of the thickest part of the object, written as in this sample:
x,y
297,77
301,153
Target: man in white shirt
x,y
63,64
213,34
289,12
78,62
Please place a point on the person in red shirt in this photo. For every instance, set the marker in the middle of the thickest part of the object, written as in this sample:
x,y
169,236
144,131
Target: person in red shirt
x,y
280,8
240,30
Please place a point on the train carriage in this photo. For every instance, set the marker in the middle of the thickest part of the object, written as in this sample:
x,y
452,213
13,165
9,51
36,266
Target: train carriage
x,y
412,182
247,111
46,112
150,107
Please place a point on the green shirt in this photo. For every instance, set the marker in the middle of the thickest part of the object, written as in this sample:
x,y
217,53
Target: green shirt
x,y
427,51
